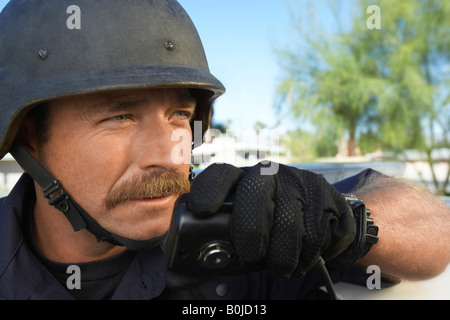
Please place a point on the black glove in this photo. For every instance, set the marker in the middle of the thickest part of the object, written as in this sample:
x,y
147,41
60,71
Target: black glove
x,y
288,219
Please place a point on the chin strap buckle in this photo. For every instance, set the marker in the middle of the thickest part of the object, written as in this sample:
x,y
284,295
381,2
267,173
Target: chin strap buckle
x,y
59,200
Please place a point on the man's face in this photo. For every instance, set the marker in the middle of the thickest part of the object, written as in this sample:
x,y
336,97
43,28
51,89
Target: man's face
x,y
113,153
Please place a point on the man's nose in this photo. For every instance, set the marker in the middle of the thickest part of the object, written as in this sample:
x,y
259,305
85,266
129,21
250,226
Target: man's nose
x,y
159,144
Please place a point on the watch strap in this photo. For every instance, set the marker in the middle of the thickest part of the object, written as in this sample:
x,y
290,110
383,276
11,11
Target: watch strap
x,y
366,230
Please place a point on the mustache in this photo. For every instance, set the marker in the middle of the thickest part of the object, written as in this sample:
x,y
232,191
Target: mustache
x,y
149,185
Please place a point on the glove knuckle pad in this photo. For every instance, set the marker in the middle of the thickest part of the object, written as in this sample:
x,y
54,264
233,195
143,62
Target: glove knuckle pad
x,y
211,187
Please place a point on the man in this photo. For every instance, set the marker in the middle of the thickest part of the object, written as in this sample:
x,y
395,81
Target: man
x,y
99,114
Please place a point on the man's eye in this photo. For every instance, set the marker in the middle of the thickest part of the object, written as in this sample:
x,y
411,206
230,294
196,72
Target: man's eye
x,y
183,114
120,117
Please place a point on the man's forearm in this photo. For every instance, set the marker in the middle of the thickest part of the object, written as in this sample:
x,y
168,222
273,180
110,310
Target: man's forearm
x,y
414,227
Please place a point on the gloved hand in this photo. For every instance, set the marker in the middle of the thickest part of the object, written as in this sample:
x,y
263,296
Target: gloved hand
x,y
288,219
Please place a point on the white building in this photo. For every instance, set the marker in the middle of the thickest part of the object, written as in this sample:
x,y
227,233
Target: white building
x,y
240,149
10,172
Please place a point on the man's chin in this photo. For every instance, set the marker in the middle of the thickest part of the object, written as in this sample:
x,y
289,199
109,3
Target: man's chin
x,y
142,233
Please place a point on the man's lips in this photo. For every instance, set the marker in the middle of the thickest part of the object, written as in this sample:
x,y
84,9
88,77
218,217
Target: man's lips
x,y
153,198
162,200
156,196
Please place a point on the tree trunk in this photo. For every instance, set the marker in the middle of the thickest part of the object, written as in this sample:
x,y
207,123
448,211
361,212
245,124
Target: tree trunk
x,y
351,139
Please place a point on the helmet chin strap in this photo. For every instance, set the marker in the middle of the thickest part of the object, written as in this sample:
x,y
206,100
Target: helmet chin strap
x,y
77,216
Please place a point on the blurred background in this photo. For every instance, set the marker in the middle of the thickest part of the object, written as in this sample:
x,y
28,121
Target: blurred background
x,y
330,86
331,82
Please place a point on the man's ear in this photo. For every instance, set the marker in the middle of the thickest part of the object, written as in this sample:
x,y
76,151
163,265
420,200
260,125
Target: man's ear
x,y
27,136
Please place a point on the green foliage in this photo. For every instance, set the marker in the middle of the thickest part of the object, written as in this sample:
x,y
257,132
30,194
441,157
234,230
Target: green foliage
x,y
380,88
305,146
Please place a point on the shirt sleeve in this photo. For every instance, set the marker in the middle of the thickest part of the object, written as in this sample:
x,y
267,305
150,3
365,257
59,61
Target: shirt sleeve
x,y
352,183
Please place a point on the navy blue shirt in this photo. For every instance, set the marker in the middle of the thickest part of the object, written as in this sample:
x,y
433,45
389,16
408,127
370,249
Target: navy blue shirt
x,y
24,275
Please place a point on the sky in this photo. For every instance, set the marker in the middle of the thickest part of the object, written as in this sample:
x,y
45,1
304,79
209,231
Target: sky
x,y
239,37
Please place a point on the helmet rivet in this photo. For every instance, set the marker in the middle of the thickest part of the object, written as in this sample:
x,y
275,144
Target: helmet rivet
x,y
43,54
169,45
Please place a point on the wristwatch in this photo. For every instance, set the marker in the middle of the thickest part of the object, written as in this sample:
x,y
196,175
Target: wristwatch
x,y
367,231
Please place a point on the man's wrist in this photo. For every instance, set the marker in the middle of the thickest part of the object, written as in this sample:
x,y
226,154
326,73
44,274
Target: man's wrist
x,y
366,230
